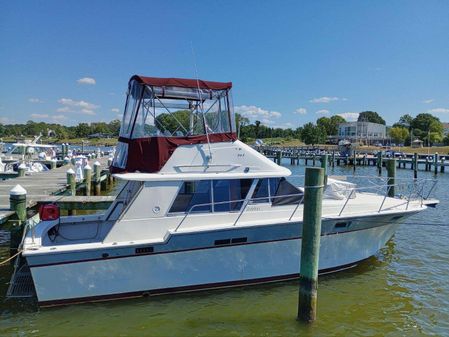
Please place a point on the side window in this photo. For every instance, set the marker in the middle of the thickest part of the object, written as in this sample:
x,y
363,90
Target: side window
x,y
285,193
261,193
225,191
191,194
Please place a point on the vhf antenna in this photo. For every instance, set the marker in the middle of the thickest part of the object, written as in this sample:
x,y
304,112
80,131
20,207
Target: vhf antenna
x,y
201,102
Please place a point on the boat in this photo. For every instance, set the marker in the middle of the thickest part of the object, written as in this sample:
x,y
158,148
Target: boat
x,y
199,209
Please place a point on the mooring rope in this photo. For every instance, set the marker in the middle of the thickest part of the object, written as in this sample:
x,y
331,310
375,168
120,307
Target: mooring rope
x,y
12,257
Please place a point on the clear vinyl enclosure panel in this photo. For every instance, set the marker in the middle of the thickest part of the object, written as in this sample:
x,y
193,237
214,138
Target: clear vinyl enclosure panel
x,y
153,111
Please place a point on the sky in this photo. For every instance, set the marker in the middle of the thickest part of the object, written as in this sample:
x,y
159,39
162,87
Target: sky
x,y
290,62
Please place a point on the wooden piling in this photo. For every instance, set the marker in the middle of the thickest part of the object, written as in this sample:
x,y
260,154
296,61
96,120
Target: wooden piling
x,y
435,163
17,203
278,157
87,179
310,246
379,163
324,166
415,165
97,178
333,158
71,182
391,172
442,164
53,164
354,156
21,170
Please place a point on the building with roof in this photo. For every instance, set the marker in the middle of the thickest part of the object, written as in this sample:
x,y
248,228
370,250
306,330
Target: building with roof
x,y
363,132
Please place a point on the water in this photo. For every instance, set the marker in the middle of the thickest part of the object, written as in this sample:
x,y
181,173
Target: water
x,y
403,291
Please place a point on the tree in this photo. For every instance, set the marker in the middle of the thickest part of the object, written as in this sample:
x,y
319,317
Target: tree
x,y
330,124
406,121
370,116
399,134
257,128
175,121
313,134
428,128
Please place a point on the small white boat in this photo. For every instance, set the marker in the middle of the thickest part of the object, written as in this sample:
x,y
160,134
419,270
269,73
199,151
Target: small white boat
x,y
199,209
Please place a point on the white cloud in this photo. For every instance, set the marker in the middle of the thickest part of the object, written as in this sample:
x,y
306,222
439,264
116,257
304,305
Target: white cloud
x,y
83,107
115,110
350,116
438,110
87,80
88,112
64,109
284,125
427,101
39,116
322,112
35,100
300,111
253,112
327,99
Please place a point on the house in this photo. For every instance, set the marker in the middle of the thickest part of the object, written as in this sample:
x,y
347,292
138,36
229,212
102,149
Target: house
x,y
363,132
417,143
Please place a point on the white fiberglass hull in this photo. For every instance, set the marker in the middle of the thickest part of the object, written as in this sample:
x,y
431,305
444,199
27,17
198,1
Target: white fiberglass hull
x,y
196,269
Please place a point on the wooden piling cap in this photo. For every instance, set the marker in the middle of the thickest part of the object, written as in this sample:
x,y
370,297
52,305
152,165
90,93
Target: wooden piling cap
x,y
97,163
17,190
22,166
70,171
87,167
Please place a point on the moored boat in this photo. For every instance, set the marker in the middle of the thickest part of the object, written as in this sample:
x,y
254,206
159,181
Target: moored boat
x,y
199,209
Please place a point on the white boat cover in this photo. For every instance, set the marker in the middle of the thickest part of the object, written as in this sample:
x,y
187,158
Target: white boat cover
x,y
338,189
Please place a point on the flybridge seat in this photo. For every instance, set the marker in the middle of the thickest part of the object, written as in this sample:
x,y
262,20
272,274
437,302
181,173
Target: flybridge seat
x,y
164,113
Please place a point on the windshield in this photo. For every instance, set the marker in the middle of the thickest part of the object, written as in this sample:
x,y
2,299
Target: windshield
x,y
176,112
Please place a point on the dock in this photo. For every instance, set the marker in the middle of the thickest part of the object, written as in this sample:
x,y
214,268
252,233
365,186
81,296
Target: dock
x,y
49,186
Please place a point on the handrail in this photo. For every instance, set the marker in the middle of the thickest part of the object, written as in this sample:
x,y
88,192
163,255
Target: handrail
x,y
236,201
247,201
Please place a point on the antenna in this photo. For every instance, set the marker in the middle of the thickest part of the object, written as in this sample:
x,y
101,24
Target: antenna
x,y
201,101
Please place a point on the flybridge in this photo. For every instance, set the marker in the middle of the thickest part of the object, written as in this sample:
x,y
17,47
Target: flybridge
x,y
164,113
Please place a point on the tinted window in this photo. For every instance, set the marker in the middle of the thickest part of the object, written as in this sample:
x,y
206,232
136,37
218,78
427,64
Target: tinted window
x,y
229,190
261,191
193,193
285,193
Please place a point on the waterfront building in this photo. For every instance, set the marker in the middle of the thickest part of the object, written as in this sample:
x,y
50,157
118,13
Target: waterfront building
x,y
363,132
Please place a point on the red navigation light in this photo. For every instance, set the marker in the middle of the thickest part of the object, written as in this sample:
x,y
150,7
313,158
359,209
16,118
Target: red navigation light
x,y
48,212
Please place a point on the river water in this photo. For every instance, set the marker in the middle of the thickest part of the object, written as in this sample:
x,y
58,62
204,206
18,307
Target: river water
x,y
403,291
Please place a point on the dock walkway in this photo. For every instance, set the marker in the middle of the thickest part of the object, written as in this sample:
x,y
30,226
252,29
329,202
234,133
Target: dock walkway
x,y
39,186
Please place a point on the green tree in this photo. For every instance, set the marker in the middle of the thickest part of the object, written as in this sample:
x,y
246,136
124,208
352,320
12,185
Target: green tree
x,y
370,116
313,134
175,121
330,124
399,134
428,128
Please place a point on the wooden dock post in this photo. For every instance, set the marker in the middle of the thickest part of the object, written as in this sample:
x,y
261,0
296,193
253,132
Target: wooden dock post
x,y
415,165
442,164
379,163
278,157
87,179
310,246
71,182
17,203
354,158
53,164
324,166
391,172
333,158
427,163
97,177
21,170
66,160
435,163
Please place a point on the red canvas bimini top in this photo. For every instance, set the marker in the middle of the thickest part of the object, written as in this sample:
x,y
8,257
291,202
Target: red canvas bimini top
x,y
181,82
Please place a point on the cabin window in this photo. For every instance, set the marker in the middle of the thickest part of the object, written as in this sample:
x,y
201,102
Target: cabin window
x,y
192,196
227,196
284,193
277,190
225,191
